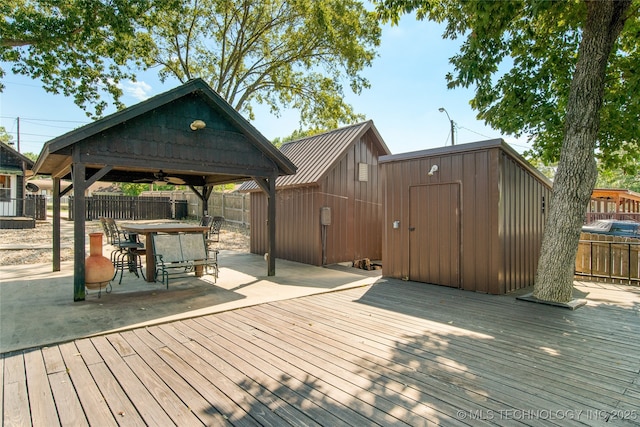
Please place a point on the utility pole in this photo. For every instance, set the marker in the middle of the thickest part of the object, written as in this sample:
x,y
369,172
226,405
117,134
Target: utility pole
x,y
18,138
442,110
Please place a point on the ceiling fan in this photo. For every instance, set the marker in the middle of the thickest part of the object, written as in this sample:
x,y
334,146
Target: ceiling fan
x,y
162,177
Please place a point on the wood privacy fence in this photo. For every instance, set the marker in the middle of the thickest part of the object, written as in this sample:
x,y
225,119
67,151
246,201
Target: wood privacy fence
x,y
35,206
32,206
128,207
234,207
608,258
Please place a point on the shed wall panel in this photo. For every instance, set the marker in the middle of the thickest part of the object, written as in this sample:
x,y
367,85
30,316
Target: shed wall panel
x,y
297,225
522,224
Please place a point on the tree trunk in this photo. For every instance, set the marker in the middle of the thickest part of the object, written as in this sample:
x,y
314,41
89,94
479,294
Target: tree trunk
x,y
577,172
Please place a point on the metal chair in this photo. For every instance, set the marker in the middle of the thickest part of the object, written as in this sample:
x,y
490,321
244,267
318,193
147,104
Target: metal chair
x,y
214,230
207,221
127,250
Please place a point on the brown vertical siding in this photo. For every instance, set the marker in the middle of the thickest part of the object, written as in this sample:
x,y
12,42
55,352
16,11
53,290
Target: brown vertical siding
x,y
356,207
522,222
297,225
356,212
501,220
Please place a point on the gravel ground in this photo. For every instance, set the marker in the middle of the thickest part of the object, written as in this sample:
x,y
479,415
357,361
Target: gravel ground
x,y
231,238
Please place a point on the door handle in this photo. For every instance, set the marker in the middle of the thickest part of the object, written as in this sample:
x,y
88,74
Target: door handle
x,y
412,229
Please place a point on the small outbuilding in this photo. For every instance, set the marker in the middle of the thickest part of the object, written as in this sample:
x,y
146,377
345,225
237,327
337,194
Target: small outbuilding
x,y
330,211
14,168
468,216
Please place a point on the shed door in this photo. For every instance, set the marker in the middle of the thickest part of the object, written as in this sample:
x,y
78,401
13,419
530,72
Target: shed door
x,y
434,234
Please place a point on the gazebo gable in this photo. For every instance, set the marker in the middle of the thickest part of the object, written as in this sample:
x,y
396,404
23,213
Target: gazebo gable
x,y
158,131
163,137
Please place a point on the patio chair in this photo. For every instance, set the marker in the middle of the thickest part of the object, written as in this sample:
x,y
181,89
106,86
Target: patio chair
x,y
105,228
127,250
207,221
214,232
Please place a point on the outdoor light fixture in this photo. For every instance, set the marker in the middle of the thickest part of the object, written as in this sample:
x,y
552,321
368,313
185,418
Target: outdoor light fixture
x,y
433,170
442,110
197,124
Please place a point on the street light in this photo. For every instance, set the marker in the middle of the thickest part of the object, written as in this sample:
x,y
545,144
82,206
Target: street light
x,y
442,110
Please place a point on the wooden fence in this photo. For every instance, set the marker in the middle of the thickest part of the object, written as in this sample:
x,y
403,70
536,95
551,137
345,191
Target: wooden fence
x,y
129,207
32,206
35,206
608,258
234,207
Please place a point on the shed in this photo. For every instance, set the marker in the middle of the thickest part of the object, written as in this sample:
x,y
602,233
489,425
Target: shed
x,y
338,184
188,135
14,169
468,216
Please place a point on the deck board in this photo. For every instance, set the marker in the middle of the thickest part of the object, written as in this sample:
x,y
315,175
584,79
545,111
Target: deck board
x,y
43,409
145,405
393,353
16,400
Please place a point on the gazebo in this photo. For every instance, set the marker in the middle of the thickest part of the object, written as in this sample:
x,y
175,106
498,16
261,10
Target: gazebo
x,y
188,135
613,203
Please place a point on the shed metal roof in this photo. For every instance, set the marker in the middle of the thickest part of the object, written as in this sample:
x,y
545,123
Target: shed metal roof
x,y
316,155
472,146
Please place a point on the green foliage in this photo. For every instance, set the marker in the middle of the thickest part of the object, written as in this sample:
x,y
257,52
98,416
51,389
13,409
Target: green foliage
x,y
31,156
79,48
548,170
132,189
5,137
223,188
296,134
618,178
285,54
521,56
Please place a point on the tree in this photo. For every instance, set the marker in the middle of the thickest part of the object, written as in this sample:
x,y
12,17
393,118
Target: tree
x,y
619,179
296,134
79,48
133,189
5,137
281,53
31,156
572,68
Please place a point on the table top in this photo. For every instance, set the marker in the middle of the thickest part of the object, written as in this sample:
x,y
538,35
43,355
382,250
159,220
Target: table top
x,y
167,227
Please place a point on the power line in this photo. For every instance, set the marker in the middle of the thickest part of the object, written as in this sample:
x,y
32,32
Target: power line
x,y
473,131
45,120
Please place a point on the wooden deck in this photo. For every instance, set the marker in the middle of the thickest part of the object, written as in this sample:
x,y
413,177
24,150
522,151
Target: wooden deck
x,y
395,353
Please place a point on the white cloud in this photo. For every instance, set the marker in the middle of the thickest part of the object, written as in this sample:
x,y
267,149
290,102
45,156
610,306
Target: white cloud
x,y
139,90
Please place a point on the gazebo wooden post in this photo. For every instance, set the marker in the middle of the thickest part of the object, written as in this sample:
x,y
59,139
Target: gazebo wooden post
x,y
206,194
56,224
79,186
271,269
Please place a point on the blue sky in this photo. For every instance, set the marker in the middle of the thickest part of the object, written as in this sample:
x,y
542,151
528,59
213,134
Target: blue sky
x,y
407,88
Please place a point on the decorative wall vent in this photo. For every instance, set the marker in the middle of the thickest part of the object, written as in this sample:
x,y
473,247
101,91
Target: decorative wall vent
x,y
363,172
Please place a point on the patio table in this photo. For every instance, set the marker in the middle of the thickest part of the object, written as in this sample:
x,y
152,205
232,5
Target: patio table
x,y
148,229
